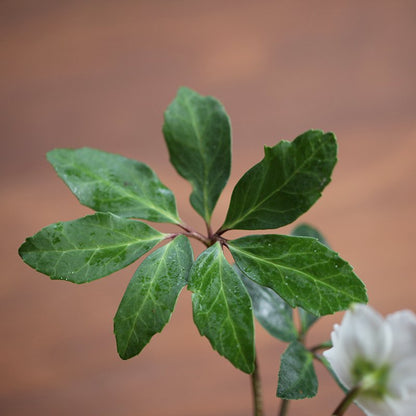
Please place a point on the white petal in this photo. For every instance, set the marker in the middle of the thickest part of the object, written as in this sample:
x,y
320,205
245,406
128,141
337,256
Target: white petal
x,y
403,327
339,359
402,380
378,407
402,357
340,367
365,334
406,407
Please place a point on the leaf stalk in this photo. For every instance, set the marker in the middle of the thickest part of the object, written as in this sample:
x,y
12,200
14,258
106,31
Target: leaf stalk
x,y
347,401
256,390
284,406
322,346
189,232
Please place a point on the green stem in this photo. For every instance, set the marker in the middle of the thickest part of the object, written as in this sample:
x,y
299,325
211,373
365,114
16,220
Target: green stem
x,y
256,389
323,346
284,407
347,401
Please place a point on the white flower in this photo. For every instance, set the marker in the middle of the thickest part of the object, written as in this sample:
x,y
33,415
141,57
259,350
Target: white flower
x,y
378,356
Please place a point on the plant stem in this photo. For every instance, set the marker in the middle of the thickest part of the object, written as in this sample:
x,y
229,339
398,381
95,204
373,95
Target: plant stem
x,y
209,230
323,346
346,402
220,231
189,232
283,407
256,389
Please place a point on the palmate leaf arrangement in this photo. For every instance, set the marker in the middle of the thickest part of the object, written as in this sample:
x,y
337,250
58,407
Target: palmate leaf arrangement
x,y
272,273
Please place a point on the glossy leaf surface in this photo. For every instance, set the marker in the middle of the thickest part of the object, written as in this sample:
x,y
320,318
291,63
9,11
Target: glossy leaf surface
x,y
297,377
273,313
151,295
88,248
198,135
285,184
300,270
112,183
305,230
222,308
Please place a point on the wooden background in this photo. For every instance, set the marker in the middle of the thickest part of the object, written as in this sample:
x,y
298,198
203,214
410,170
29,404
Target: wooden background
x,y
100,74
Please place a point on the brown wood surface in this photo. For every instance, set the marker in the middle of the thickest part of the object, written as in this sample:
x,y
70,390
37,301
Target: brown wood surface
x,y
100,73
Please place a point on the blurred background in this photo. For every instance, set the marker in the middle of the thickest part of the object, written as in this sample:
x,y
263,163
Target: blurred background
x,y
100,74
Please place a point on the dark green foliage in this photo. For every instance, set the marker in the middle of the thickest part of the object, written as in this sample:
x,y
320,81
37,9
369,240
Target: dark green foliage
x,y
305,230
113,183
273,313
297,378
300,270
150,297
198,135
88,248
285,184
222,308
273,273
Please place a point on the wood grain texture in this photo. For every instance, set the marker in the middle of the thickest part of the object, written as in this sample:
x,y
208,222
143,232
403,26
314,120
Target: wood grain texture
x,y
100,74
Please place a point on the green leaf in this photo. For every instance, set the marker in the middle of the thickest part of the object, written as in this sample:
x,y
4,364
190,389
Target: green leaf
x,y
307,319
112,183
198,135
304,230
222,308
297,377
285,184
300,270
151,296
88,248
273,313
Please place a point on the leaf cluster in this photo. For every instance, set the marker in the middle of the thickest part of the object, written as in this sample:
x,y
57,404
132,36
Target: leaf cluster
x,y
300,271
297,377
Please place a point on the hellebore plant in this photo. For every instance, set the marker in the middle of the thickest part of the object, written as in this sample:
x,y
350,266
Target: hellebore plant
x,y
271,274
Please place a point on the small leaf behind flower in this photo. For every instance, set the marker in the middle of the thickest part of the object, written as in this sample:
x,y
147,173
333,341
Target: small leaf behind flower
x,y
222,308
198,135
151,295
88,248
306,230
297,377
285,184
112,183
300,270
